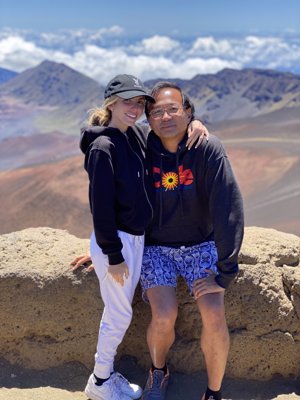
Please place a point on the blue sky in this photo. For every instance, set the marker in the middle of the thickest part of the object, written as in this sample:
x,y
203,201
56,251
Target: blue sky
x,y
157,39
186,18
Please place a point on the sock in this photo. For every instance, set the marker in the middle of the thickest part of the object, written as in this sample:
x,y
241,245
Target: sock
x,y
164,369
100,381
211,395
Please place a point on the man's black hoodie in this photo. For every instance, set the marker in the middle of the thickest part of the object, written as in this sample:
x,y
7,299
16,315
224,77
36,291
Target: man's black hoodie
x,y
197,200
115,163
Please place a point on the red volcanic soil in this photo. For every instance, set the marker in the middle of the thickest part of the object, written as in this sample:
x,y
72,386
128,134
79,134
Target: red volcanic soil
x,y
54,195
257,169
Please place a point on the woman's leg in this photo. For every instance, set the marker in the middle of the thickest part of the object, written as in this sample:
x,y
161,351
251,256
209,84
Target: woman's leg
x,y
117,300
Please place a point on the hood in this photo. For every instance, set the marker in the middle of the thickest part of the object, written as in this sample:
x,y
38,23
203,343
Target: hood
x,y
88,135
155,145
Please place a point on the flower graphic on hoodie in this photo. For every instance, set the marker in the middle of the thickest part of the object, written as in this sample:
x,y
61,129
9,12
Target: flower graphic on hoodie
x,y
169,180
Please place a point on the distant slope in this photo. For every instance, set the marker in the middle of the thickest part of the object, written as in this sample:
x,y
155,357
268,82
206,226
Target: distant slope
x,y
265,156
278,205
266,166
6,75
30,150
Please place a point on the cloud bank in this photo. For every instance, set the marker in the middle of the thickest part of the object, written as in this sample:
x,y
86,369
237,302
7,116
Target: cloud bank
x,y
107,52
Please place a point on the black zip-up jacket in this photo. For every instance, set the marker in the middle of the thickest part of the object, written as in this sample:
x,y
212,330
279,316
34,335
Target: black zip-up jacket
x,y
115,163
197,200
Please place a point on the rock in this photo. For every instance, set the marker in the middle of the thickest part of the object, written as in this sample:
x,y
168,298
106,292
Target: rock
x,y
50,315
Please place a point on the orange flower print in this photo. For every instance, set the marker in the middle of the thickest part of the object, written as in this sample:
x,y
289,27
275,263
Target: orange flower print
x,y
170,180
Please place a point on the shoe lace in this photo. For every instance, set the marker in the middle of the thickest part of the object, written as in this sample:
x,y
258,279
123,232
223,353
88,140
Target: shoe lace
x,y
157,380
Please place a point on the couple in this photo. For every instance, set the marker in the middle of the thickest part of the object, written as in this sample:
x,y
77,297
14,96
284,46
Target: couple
x,y
190,205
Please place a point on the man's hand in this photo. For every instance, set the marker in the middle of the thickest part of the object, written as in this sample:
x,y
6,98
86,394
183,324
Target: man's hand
x,y
82,261
206,285
196,132
119,272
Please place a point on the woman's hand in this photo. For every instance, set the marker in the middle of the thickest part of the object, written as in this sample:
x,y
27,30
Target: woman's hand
x,y
196,132
83,260
119,272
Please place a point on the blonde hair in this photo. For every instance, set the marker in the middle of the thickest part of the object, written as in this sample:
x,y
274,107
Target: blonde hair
x,y
101,115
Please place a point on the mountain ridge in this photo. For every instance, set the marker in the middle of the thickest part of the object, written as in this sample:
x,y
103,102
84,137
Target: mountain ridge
x,y
229,94
234,94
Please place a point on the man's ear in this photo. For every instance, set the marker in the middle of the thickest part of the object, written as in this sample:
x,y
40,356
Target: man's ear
x,y
189,113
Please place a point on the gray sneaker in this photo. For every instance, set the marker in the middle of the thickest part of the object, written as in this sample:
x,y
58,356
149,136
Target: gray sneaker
x,y
156,385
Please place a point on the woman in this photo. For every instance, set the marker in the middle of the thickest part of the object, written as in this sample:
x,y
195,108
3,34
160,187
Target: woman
x,y
115,161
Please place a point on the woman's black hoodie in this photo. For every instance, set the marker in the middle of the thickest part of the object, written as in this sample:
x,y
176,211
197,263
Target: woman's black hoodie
x,y
197,200
115,163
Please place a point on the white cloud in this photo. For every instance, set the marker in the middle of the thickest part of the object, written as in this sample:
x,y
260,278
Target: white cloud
x,y
159,44
18,54
210,46
106,52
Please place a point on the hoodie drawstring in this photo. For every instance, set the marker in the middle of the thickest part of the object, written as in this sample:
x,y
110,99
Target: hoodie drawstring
x,y
160,192
179,184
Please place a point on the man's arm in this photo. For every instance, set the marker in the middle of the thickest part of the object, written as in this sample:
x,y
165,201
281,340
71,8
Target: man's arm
x,y
226,209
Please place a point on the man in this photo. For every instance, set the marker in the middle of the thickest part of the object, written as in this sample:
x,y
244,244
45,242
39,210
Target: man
x,y
196,232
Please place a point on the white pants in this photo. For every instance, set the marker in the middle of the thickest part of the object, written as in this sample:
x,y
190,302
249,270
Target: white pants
x,y
117,300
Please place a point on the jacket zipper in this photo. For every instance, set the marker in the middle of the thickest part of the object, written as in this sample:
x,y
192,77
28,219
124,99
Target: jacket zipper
x,y
142,177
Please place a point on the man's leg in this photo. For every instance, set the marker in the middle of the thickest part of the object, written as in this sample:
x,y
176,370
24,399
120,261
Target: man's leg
x,y
161,330
214,337
160,337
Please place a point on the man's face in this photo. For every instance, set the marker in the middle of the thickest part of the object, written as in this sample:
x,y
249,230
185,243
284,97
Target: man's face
x,y
168,119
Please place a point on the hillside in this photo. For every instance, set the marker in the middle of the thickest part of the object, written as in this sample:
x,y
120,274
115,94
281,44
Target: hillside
x,y
53,194
51,84
51,97
6,75
35,149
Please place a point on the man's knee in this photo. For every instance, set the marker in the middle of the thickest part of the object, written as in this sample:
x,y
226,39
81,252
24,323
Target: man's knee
x,y
212,311
164,314
163,320
215,319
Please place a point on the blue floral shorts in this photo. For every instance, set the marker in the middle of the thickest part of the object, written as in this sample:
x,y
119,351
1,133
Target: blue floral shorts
x,y
162,265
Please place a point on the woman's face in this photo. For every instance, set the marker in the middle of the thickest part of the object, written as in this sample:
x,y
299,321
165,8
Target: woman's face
x,y
125,112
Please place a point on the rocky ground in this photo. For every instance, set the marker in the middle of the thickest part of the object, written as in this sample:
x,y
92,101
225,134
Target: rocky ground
x,y
68,382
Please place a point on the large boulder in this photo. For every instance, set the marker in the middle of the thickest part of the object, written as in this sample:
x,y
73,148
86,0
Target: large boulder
x,y
50,315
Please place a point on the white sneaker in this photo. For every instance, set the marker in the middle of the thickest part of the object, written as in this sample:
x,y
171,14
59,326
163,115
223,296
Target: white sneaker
x,y
107,391
130,389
